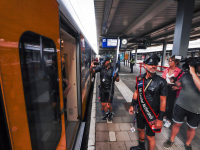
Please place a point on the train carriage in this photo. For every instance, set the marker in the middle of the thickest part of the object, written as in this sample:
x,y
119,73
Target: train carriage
x,y
39,49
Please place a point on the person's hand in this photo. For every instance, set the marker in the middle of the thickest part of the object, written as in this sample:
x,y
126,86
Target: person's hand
x,y
66,81
175,88
92,64
131,110
65,92
158,124
114,75
192,70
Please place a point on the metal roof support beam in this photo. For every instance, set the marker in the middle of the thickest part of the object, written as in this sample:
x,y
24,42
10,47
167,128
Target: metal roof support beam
x,y
136,56
170,35
152,11
171,26
106,15
112,13
124,58
124,36
163,54
152,42
183,27
110,8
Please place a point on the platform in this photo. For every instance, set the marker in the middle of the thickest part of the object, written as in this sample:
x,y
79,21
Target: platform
x,y
117,135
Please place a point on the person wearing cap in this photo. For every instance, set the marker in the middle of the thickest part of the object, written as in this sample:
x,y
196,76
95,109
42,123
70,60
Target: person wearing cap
x,y
150,99
106,75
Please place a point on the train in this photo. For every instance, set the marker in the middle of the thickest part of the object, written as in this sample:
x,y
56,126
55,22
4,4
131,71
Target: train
x,y
41,47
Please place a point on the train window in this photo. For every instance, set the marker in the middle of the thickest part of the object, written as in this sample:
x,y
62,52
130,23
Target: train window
x,y
38,60
87,62
85,65
85,73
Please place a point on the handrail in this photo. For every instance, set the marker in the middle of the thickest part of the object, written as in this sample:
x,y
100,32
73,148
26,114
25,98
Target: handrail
x,y
142,65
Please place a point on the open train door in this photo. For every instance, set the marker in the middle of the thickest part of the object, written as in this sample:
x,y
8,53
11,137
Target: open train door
x,y
68,55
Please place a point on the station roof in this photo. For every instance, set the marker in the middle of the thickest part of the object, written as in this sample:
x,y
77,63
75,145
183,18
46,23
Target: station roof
x,y
138,20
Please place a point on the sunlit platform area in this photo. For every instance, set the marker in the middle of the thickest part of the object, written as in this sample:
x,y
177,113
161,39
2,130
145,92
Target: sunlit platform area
x,y
117,134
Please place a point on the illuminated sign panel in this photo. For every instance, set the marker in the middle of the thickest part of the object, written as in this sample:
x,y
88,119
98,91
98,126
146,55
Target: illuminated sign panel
x,y
109,42
112,42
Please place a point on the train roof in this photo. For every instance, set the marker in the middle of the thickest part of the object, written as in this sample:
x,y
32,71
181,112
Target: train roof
x,y
69,15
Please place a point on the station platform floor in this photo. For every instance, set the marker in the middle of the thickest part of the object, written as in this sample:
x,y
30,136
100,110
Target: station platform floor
x,y
117,135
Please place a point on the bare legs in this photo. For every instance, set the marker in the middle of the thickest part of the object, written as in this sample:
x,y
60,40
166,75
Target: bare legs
x,y
107,106
151,139
190,135
175,130
152,142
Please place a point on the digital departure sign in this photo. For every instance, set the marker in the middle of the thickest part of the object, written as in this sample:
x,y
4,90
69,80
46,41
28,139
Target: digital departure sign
x,y
109,42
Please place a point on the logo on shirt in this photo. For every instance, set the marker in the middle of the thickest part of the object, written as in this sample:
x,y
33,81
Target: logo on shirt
x,y
139,78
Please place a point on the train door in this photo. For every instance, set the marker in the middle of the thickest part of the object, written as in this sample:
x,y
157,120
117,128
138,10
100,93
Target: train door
x,y
38,59
5,143
69,75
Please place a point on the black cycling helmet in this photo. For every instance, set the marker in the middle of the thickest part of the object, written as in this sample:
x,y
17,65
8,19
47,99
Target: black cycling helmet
x,y
106,58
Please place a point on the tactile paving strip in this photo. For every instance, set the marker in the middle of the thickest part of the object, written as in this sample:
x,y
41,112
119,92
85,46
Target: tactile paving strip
x,y
163,136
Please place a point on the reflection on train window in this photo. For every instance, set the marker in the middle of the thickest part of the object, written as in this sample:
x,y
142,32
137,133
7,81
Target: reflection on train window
x,y
38,60
82,70
85,73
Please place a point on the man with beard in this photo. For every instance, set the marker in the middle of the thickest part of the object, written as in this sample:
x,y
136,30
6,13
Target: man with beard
x,y
150,99
187,105
106,72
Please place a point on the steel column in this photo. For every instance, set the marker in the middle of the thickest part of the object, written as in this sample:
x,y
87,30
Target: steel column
x,y
130,58
124,58
183,27
163,54
135,56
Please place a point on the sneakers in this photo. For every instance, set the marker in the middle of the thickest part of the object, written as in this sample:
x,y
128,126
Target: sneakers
x,y
167,144
105,116
137,148
167,124
188,147
110,116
